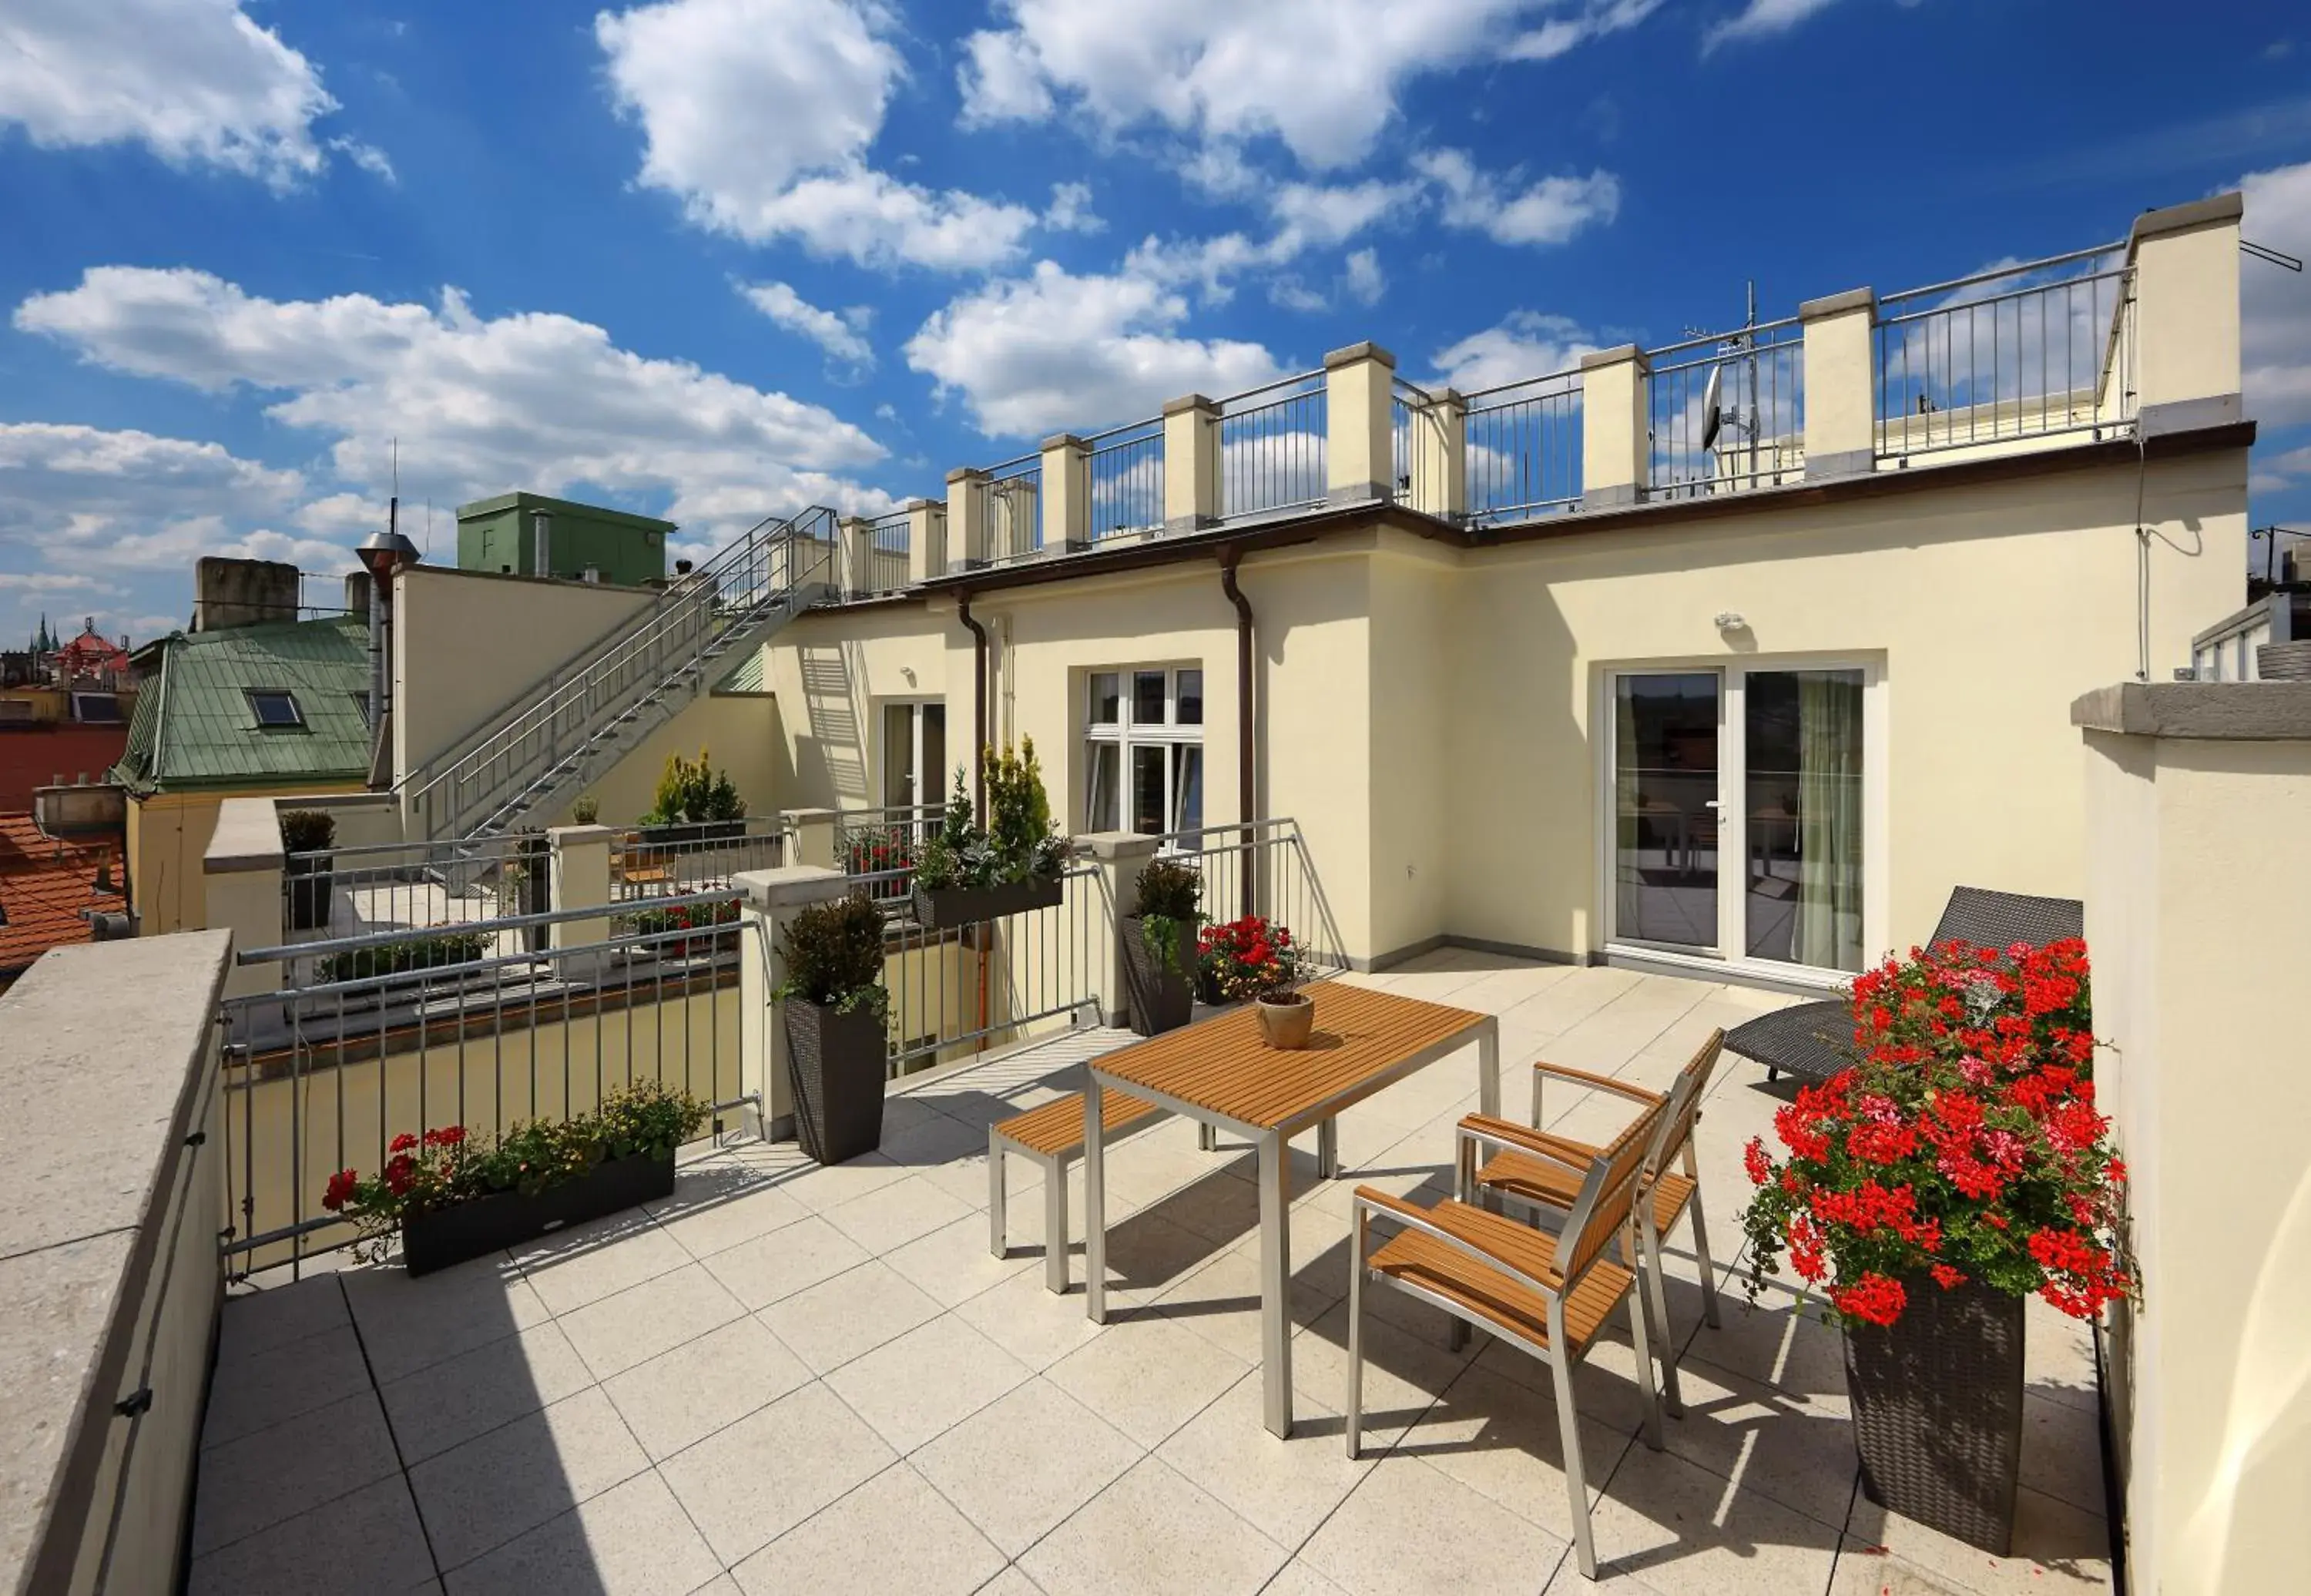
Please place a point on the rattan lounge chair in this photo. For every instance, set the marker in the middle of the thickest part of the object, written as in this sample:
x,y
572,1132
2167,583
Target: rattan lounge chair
x,y
1815,1040
1547,1295
1535,1170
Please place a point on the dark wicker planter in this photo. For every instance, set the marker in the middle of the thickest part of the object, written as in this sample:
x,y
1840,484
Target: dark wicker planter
x,y
1938,1410
436,1240
1157,996
694,831
310,882
944,908
835,1065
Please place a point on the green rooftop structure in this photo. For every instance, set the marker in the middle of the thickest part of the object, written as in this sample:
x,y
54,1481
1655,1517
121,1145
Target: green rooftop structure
x,y
282,703
531,535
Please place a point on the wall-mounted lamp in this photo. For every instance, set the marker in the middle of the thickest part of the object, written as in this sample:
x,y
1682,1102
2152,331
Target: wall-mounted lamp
x,y
1731,621
907,671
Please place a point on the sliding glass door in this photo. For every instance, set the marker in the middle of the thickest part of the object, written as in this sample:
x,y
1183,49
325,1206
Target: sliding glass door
x,y
1750,768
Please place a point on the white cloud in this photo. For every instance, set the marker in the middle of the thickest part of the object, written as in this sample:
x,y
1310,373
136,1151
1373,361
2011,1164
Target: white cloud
x,y
1523,343
195,80
759,114
1364,281
480,405
1290,294
371,159
1549,212
1070,210
1055,350
1760,18
81,497
1558,36
840,335
2275,305
1321,75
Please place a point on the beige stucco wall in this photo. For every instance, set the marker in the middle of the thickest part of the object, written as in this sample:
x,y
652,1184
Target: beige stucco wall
x,y
467,644
168,835
1987,607
2197,910
739,731
1429,715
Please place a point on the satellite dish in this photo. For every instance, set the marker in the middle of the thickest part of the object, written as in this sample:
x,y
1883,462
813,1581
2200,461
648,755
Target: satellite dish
x,y
1709,418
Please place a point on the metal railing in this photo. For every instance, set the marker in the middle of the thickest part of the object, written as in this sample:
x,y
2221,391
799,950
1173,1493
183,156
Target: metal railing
x,y
1272,447
1015,509
347,892
880,846
2008,354
404,1033
661,862
1127,480
1262,868
887,564
544,741
959,991
1417,446
1524,449
1726,413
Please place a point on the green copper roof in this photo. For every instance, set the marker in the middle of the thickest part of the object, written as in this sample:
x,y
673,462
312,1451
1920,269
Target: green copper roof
x,y
196,727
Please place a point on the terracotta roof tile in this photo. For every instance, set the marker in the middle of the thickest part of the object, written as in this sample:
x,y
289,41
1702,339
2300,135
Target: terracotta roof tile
x,y
44,885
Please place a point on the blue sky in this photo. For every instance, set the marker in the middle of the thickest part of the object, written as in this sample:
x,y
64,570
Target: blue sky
x,y
718,259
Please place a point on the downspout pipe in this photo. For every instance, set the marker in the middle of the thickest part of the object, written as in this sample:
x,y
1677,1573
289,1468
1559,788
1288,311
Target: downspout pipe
x,y
1247,788
978,705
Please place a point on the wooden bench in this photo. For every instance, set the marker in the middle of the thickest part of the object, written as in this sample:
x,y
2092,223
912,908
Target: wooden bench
x,y
1053,1135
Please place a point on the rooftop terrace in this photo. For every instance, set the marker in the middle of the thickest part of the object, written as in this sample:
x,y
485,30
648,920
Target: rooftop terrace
x,y
789,1378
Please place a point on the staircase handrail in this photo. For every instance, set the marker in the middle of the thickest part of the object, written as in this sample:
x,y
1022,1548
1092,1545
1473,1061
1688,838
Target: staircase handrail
x,y
685,613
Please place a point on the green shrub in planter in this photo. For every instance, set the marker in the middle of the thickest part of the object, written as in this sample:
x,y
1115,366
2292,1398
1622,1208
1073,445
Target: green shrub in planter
x,y
832,1003
1159,946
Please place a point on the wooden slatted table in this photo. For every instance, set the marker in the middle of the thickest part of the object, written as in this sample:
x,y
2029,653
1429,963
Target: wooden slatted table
x,y
1221,1073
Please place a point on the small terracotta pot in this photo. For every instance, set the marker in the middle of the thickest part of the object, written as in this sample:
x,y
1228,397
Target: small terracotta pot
x,y
1286,1018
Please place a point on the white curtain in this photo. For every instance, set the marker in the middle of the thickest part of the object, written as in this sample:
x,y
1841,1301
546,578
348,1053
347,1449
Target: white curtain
x,y
1826,931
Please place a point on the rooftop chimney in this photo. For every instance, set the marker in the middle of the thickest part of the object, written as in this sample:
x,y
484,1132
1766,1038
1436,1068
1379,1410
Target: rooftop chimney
x,y
228,593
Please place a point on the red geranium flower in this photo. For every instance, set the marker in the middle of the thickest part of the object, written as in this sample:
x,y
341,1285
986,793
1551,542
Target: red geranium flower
x,y
341,1189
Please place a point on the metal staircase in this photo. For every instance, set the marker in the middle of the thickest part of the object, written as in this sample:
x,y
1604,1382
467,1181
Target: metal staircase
x,y
570,729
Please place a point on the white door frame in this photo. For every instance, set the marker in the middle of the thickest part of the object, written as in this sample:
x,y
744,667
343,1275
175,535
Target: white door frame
x,y
1733,840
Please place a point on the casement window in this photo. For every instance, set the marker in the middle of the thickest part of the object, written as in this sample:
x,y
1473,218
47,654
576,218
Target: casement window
x,y
914,754
1143,751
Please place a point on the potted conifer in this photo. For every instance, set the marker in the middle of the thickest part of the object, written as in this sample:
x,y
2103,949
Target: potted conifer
x,y
832,1004
1016,863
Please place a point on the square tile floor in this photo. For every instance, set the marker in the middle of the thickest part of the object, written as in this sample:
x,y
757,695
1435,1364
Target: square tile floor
x,y
789,1379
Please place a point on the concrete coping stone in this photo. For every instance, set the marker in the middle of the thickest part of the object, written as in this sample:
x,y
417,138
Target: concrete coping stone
x,y
1613,357
2195,213
247,837
581,836
1838,304
965,474
1365,350
1062,441
1188,402
1109,846
791,885
2211,712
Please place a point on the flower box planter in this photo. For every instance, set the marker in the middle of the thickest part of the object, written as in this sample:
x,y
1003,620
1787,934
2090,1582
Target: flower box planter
x,y
440,1237
836,1065
692,831
1938,1409
311,882
944,908
1158,997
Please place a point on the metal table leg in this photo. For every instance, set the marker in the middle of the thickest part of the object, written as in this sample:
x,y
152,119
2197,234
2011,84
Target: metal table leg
x,y
1276,1281
1095,1203
1488,1070
1327,1150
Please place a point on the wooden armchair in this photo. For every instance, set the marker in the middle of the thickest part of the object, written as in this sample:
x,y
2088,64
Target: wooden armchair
x,y
1547,1295
1501,1162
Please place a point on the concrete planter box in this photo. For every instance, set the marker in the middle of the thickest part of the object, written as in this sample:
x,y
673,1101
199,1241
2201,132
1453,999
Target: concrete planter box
x,y
836,1065
944,908
436,1240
